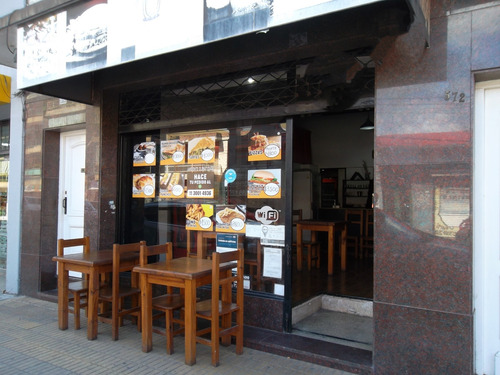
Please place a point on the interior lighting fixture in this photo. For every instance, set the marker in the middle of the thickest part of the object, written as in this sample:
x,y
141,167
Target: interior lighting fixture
x,y
368,124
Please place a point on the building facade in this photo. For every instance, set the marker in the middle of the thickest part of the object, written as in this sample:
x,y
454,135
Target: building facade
x,y
422,68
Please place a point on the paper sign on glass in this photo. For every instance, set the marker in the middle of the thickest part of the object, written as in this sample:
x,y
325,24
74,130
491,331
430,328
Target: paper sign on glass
x,y
144,154
230,218
143,185
262,147
199,217
172,185
172,152
264,183
201,150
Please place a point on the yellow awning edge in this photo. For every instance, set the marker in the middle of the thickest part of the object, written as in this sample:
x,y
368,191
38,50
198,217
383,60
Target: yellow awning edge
x,y
4,89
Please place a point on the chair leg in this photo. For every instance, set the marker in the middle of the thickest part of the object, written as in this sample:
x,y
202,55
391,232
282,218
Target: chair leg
x,y
239,334
169,331
215,343
76,309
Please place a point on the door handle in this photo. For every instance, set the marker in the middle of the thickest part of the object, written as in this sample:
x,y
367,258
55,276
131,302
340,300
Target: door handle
x,y
64,204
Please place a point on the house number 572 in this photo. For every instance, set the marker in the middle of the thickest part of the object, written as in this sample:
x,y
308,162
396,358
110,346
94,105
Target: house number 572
x,y
454,96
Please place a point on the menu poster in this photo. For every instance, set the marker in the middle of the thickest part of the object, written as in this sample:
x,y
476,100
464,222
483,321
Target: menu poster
x,y
172,185
199,217
201,150
143,185
172,152
200,184
262,147
264,183
273,263
230,218
144,154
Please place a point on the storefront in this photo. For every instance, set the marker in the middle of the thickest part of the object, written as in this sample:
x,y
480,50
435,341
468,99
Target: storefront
x,y
198,145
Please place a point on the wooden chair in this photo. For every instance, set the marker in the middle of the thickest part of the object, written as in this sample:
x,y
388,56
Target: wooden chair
x,y
165,303
312,248
77,290
367,238
355,227
219,309
117,293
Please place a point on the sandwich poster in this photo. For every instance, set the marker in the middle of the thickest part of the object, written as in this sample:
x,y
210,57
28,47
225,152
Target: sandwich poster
x,y
264,183
230,218
173,152
262,147
200,184
201,150
172,185
199,217
144,154
143,185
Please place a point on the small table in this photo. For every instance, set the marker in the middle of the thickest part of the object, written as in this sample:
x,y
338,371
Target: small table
x,y
185,273
323,226
92,264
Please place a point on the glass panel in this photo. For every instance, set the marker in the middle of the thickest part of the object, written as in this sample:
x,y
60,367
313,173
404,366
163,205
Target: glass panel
x,y
210,190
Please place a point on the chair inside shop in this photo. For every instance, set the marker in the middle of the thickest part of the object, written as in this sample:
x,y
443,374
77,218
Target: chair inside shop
x,y
124,293
355,228
77,290
367,238
218,310
312,248
167,303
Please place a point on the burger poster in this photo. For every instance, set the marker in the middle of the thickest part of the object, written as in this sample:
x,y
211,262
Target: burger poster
x,y
144,154
262,147
230,218
172,152
143,185
172,185
264,183
200,184
201,150
199,217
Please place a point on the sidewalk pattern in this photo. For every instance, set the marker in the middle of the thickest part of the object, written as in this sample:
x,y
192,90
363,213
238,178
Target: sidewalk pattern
x,y
31,343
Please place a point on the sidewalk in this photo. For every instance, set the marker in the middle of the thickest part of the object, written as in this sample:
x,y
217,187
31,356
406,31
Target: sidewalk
x,y
31,343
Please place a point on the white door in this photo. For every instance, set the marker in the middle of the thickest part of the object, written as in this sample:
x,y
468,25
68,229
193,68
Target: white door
x,y
486,233
71,187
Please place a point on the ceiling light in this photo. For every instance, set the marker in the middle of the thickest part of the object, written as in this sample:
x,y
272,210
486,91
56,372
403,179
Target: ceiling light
x,y
367,125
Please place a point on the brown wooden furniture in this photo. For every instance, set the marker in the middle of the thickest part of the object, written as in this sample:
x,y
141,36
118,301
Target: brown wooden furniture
x,y
312,247
93,264
218,310
77,289
355,226
323,226
118,292
186,273
201,243
165,303
366,243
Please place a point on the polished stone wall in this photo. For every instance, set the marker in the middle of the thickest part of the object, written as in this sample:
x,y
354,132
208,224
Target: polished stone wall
x,y
423,312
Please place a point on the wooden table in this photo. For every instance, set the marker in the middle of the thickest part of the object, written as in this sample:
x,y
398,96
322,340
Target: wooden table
x,y
323,226
185,273
93,264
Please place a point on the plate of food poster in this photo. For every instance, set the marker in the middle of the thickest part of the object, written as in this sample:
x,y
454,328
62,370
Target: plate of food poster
x,y
172,152
230,218
172,185
201,150
199,217
143,185
262,147
144,154
264,183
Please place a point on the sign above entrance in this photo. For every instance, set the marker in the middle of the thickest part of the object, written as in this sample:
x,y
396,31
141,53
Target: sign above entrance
x,y
99,34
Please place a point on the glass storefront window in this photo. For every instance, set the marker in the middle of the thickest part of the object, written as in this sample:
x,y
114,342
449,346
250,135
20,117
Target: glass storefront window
x,y
210,190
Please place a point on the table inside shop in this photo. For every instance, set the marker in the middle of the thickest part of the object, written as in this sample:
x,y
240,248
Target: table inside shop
x,y
93,264
184,273
323,226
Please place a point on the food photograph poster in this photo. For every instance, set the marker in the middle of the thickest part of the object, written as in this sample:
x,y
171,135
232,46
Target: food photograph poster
x,y
172,152
144,154
201,150
264,183
230,218
262,147
172,185
143,185
199,217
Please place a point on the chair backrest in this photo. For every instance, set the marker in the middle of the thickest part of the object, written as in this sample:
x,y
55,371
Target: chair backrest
x,y
147,251
228,278
296,215
120,252
355,222
63,244
368,223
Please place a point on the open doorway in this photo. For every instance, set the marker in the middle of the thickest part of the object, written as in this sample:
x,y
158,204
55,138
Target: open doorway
x,y
333,181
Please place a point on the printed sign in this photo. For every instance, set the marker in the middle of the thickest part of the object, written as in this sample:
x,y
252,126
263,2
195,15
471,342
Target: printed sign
x,y
172,152
172,185
143,185
262,147
230,218
199,217
144,154
201,150
226,242
264,183
267,215
200,185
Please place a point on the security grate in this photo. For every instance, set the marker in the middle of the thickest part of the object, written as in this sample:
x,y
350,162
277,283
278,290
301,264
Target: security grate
x,y
277,85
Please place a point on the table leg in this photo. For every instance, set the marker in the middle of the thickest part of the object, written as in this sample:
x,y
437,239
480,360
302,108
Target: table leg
x,y
62,296
226,297
146,314
343,247
299,247
190,322
92,304
331,246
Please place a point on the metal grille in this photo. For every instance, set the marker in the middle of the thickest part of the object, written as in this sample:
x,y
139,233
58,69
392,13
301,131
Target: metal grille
x,y
277,85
